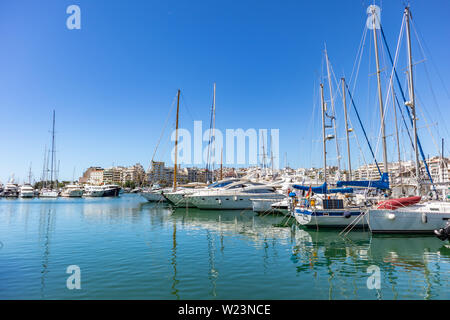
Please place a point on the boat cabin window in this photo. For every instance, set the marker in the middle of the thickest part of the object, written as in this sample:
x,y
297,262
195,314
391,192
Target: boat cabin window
x,y
219,184
259,191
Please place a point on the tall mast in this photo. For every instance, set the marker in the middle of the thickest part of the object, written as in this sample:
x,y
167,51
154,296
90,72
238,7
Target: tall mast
x,y
44,168
221,164
333,119
324,138
397,137
29,174
176,144
52,160
380,97
411,103
346,129
264,154
214,133
271,156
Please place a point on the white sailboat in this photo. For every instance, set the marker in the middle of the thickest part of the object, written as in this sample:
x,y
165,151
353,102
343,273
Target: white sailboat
x,y
51,191
427,215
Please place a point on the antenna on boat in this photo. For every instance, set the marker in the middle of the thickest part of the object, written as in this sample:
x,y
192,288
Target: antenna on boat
x,y
176,144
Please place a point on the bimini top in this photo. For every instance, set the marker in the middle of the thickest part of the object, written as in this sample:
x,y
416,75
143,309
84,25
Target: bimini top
x,y
323,189
382,184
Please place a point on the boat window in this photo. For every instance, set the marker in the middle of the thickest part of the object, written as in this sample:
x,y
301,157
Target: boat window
x,y
219,184
259,191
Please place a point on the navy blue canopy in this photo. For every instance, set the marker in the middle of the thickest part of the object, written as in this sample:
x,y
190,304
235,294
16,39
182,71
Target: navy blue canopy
x,y
323,189
382,184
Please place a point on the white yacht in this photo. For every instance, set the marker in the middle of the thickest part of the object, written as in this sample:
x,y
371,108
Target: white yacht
x,y
236,195
422,217
26,191
180,198
11,190
49,193
72,191
94,191
154,194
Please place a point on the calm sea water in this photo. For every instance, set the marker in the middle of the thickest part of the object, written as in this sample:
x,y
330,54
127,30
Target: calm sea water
x,y
127,248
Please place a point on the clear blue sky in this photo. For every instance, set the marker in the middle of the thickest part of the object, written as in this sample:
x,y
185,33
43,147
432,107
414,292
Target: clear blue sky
x,y
113,81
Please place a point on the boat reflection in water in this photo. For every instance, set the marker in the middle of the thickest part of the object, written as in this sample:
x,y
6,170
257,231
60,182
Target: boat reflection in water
x,y
127,247
410,267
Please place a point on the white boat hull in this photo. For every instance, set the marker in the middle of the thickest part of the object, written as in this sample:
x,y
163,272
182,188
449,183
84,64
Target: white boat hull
x,y
72,194
330,218
153,196
264,205
228,202
404,221
49,194
27,194
178,199
94,194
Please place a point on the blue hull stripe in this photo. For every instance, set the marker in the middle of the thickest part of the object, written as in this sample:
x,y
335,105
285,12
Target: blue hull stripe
x,y
330,214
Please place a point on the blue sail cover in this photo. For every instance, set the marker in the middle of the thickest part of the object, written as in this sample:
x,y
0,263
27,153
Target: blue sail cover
x,y
323,189
382,184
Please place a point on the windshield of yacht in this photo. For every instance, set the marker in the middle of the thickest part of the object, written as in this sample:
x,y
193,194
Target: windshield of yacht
x,y
220,184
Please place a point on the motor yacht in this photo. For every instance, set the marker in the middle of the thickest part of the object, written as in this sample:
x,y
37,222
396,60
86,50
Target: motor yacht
x,y
236,195
72,191
180,198
49,193
154,194
111,190
26,191
11,190
93,191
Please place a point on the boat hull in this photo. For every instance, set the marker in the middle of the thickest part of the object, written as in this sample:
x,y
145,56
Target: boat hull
x,y
72,194
228,202
178,200
403,221
27,194
113,192
49,194
153,196
330,218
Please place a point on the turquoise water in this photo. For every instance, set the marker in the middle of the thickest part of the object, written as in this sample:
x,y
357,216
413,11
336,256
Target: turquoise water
x,y
127,248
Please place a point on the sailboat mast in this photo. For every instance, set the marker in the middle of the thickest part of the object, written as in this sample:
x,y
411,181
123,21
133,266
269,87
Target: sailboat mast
x,y
344,102
324,138
333,119
52,160
214,133
412,103
397,137
176,144
44,168
271,156
380,96
221,164
29,174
